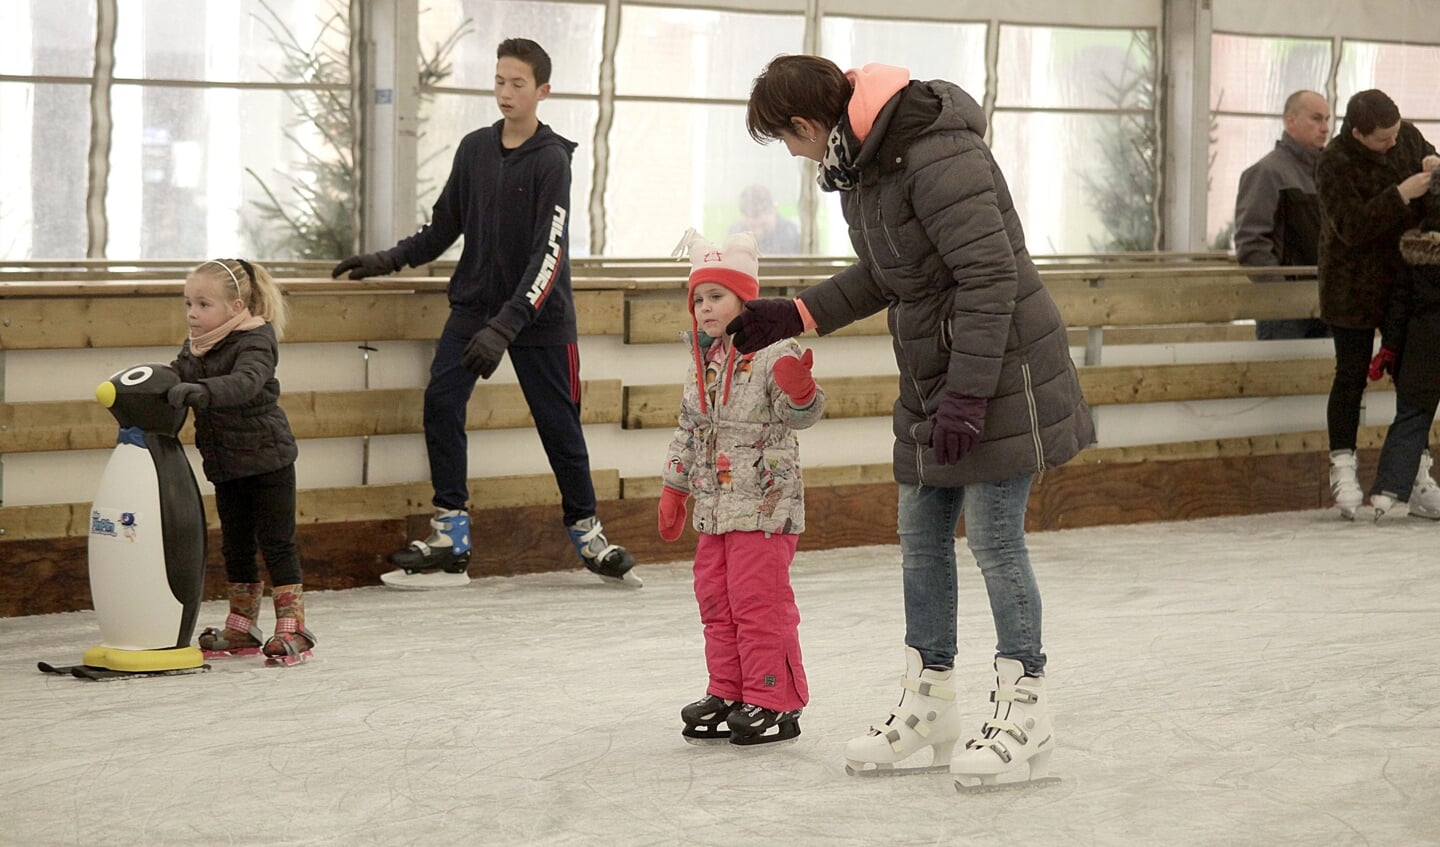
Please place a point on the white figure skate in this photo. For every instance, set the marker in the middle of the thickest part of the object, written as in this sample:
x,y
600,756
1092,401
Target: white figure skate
x,y
1014,746
925,717
1345,484
1425,496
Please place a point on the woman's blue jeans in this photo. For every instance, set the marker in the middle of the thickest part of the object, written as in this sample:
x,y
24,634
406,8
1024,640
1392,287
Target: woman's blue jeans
x,y
995,532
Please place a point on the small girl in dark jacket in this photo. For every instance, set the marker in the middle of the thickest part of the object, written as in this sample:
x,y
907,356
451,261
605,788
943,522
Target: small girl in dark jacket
x,y
1410,349
235,316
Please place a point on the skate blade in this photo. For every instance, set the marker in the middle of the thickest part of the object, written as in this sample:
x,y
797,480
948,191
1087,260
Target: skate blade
x,y
887,770
982,787
288,661
425,581
706,741
230,654
629,579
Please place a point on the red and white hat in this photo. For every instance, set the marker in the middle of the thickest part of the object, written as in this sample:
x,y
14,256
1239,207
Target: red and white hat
x,y
735,265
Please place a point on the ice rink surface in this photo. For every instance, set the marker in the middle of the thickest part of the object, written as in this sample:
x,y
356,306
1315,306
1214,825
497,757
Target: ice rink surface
x,y
1268,680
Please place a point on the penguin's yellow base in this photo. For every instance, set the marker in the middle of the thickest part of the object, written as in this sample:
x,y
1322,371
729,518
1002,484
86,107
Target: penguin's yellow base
x,y
143,661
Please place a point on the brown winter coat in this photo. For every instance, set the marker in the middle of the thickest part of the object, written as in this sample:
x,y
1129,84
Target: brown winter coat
x,y
1361,218
941,249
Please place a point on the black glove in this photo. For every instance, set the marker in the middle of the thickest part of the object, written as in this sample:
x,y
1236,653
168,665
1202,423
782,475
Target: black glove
x,y
191,394
371,264
957,426
765,322
482,355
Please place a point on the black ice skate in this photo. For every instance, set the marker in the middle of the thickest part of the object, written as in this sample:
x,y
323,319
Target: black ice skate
x,y
439,561
610,562
704,717
750,725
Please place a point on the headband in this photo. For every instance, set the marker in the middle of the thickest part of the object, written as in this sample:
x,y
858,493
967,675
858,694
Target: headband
x,y
249,271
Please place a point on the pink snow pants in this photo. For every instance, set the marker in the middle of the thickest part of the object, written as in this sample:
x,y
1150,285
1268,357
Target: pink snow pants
x,y
752,627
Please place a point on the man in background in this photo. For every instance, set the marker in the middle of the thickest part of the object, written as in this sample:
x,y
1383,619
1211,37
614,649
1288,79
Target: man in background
x,y
1277,212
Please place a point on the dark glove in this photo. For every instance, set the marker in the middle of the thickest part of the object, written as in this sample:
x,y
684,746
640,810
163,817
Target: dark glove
x,y
1383,363
793,377
191,394
956,426
765,322
672,513
371,264
483,353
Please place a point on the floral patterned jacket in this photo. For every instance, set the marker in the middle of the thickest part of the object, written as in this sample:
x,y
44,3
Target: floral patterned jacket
x,y
739,457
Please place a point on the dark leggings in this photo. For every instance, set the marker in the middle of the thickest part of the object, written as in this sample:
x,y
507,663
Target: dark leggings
x,y
1353,349
259,510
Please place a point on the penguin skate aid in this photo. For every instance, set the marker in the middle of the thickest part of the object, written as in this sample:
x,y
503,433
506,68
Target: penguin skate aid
x,y
735,451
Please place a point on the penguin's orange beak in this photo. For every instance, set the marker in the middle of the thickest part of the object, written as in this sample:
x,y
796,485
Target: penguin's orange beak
x,y
105,394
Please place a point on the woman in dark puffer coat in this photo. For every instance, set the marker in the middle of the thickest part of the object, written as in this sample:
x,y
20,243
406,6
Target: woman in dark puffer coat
x,y
989,397
1367,177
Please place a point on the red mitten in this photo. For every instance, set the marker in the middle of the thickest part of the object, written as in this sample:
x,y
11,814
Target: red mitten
x,y
793,377
1383,363
672,513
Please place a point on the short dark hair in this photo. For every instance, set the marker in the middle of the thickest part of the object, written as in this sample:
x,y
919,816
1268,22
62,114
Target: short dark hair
x,y
1370,110
807,87
528,52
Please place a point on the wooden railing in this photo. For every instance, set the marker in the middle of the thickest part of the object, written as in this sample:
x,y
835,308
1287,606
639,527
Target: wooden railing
x,y
637,302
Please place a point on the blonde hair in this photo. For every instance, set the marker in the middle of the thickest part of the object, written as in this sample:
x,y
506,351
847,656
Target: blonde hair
x,y
253,286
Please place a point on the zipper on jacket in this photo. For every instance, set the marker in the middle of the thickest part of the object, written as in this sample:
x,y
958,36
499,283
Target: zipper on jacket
x,y
1034,420
885,231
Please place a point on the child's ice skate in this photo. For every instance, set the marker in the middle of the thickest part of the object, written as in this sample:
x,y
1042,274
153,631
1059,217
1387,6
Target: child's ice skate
x,y
241,635
704,718
1345,484
610,562
925,717
439,561
751,725
292,643
1014,746
1425,496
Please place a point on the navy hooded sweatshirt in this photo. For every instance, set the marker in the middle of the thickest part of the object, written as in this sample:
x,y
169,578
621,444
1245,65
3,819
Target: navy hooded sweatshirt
x,y
514,212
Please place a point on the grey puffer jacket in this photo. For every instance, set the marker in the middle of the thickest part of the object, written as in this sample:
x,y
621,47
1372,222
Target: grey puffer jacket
x,y
940,246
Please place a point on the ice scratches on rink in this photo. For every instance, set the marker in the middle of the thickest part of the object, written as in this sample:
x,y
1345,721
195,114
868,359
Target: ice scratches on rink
x,y
1250,681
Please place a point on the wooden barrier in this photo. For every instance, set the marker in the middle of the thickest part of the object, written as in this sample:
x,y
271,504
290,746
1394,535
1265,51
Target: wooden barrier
x,y
345,531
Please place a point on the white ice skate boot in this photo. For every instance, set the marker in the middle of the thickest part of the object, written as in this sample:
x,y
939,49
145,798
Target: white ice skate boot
x,y
1344,484
1014,746
1382,503
1425,496
925,717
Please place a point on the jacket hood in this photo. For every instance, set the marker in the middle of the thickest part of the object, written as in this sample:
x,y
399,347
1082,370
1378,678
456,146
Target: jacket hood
x,y
918,109
544,137
1420,247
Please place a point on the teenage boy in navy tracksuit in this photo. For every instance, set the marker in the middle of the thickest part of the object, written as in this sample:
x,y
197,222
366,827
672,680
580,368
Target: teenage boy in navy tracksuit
x,y
508,194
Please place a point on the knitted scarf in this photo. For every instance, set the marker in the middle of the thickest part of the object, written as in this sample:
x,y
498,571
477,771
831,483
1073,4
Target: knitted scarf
x,y
837,169
205,342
